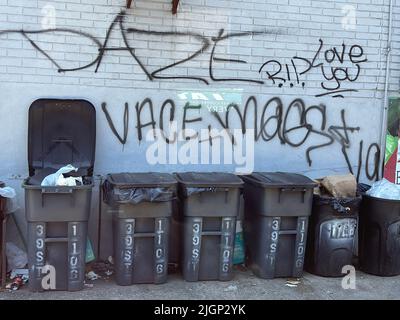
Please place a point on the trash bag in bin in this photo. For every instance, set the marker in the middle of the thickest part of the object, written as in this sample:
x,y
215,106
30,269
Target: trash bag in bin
x,y
339,205
331,234
135,195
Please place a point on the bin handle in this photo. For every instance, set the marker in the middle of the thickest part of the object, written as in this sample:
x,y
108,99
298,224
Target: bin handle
x,y
62,190
57,190
302,190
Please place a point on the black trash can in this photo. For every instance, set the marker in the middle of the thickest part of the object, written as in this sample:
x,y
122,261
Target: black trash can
x,y
379,236
331,235
61,132
210,206
277,207
142,205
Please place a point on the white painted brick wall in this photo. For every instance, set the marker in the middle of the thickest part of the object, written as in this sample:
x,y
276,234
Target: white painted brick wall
x,y
26,74
303,22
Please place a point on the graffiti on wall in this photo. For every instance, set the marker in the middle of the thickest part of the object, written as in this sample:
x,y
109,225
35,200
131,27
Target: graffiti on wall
x,y
336,66
293,125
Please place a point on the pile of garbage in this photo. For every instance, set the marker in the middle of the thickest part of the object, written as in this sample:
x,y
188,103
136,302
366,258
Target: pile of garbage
x,y
17,261
100,270
338,186
339,191
384,189
345,186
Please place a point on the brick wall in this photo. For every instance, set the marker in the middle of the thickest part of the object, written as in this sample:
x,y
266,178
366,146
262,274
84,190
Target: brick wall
x,y
275,35
295,28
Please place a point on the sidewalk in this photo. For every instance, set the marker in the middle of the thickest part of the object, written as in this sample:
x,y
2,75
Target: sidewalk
x,y
245,286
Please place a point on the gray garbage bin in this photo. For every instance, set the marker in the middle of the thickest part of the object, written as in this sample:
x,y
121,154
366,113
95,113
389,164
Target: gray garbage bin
x,y
277,207
210,205
141,205
60,132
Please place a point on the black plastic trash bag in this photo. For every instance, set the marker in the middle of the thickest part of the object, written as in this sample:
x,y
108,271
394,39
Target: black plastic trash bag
x,y
363,187
340,205
189,191
113,195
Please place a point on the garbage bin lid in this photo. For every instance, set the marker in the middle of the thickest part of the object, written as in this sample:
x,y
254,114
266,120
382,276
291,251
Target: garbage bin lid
x,y
279,180
61,132
209,179
141,179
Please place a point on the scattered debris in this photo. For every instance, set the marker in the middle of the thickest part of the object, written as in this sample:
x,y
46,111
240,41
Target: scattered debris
x,y
20,273
89,285
240,267
293,282
103,269
230,288
15,285
92,276
19,277
108,273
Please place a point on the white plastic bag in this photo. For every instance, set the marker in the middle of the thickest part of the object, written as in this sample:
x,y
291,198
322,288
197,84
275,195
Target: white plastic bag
x,y
384,189
11,201
7,192
70,181
16,258
51,180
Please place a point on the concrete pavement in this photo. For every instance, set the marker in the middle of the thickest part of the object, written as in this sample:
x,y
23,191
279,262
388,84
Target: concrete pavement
x,y
245,286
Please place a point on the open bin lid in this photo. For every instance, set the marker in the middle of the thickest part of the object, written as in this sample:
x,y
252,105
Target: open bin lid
x,y
209,179
141,180
279,180
61,132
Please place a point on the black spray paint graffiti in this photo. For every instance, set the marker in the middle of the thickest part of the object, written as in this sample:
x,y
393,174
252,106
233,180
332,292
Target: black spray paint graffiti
x,y
332,74
333,69
271,121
